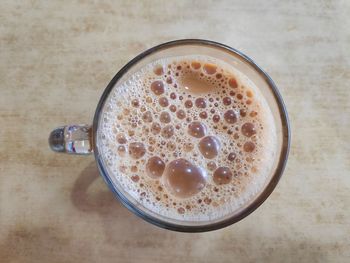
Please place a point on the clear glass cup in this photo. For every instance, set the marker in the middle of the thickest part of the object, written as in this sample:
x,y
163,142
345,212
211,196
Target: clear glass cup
x,y
84,139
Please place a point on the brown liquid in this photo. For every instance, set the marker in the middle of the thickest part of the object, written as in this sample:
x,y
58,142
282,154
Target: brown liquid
x,y
193,84
187,140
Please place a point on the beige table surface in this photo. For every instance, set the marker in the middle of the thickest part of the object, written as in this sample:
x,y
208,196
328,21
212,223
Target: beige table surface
x,y
56,59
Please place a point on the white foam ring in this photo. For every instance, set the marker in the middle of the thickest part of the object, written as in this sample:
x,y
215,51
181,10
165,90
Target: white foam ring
x,y
250,176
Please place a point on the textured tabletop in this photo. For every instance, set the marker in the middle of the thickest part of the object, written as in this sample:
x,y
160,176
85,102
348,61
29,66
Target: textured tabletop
x,y
56,58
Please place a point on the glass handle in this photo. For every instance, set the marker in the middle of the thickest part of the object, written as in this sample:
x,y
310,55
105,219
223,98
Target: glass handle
x,y
72,139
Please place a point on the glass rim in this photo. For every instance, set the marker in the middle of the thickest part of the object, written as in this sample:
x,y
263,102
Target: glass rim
x,y
261,197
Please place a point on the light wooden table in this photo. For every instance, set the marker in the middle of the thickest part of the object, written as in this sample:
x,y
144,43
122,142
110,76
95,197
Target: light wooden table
x,y
57,57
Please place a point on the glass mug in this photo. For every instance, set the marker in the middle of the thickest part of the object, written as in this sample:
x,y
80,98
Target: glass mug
x,y
83,139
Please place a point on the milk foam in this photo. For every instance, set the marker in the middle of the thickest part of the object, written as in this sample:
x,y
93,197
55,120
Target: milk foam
x,y
224,90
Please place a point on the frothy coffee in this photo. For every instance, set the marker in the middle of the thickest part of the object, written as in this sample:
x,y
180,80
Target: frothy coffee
x,y
190,138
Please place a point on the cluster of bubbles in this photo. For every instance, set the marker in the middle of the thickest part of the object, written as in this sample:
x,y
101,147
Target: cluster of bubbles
x,y
188,137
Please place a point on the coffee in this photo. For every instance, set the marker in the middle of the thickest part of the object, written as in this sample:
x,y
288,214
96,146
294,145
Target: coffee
x,y
190,138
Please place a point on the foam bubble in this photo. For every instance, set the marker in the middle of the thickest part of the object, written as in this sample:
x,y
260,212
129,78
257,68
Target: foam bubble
x,y
248,129
155,167
249,147
209,146
137,150
168,131
163,101
200,103
165,117
197,129
157,87
230,116
183,178
181,114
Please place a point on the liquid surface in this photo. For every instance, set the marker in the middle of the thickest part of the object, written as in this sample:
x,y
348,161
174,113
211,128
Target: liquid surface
x,y
189,138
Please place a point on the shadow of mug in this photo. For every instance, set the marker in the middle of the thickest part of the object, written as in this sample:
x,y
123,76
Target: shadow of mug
x,y
88,197
102,202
